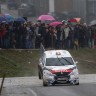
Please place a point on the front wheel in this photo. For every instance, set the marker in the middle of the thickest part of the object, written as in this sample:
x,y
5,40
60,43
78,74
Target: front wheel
x,y
77,83
74,83
53,84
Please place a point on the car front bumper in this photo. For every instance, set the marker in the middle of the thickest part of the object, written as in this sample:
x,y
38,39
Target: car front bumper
x,y
62,79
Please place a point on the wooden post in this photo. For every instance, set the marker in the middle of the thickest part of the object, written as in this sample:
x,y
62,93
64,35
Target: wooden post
x,y
2,84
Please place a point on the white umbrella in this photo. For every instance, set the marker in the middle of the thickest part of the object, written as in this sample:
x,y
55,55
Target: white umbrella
x,y
92,23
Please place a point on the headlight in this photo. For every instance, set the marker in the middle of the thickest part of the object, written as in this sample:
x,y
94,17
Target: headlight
x,y
74,72
48,73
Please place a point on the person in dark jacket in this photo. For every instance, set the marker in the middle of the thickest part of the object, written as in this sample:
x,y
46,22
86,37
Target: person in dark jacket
x,y
48,37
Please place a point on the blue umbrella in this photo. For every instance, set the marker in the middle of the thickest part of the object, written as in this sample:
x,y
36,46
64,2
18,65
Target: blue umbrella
x,y
2,19
21,20
9,17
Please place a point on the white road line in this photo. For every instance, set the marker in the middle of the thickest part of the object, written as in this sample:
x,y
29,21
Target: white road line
x,y
32,91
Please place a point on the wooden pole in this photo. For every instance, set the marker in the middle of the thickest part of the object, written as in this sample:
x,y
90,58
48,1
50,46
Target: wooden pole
x,y
2,84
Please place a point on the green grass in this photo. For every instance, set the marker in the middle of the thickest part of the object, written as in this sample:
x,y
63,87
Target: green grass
x,y
18,62
87,60
21,63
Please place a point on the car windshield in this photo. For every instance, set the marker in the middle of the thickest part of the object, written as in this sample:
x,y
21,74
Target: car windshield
x,y
59,61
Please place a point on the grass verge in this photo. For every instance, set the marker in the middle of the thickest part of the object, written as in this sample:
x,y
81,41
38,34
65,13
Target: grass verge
x,y
21,63
18,63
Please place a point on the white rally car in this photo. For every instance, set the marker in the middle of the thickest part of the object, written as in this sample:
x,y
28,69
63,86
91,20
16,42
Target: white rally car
x,y
57,66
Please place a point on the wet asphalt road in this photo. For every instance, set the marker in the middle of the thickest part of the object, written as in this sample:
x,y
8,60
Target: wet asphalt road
x,y
58,90
81,90
32,86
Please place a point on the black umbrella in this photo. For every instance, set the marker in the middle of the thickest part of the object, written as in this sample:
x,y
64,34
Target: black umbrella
x,y
20,19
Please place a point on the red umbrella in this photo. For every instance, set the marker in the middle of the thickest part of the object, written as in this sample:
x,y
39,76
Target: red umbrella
x,y
55,23
75,20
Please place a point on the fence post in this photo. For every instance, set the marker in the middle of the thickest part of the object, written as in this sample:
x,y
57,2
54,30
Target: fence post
x,y
2,84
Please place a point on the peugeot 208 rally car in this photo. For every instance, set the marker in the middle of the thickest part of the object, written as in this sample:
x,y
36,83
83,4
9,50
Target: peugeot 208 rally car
x,y
57,67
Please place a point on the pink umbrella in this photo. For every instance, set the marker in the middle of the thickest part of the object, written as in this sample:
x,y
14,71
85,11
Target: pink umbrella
x,y
55,23
45,17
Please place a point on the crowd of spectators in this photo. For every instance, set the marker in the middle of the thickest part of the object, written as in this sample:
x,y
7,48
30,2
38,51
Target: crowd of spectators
x,y
28,35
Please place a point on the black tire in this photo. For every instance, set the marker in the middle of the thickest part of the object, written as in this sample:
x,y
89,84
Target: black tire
x,y
53,84
77,83
45,83
39,75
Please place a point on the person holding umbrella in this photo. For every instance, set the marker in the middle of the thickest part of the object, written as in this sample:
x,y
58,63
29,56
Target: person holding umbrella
x,y
3,32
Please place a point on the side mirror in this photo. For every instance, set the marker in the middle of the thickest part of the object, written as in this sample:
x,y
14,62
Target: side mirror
x,y
40,62
76,62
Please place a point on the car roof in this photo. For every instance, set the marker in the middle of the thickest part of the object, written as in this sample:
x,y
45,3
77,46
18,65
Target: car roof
x,y
57,53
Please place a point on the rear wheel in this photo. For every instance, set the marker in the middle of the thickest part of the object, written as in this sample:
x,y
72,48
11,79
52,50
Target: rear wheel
x,y
39,75
45,83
